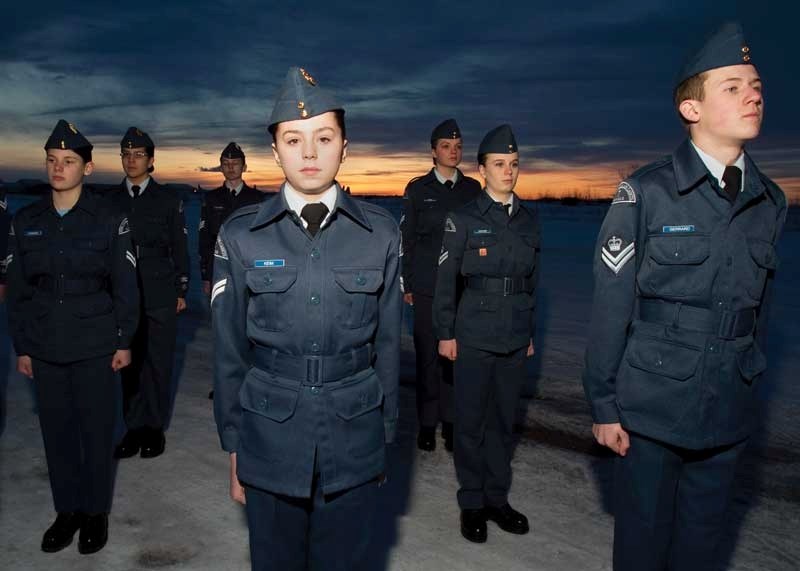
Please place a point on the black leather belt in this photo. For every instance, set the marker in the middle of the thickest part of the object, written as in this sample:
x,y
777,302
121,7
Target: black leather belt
x,y
725,324
505,286
67,286
152,252
313,369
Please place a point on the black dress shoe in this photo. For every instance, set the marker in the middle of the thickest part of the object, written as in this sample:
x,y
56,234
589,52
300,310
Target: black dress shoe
x,y
129,446
426,439
59,535
473,525
447,434
153,443
94,534
508,519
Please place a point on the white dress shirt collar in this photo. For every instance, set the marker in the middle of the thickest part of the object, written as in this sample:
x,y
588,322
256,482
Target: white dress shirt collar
x,y
716,168
297,201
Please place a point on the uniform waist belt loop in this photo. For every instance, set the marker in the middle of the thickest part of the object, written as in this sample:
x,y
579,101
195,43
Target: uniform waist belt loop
x,y
725,324
313,370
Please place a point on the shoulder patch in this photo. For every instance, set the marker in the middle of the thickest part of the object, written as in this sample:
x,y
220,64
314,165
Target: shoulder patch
x,y
625,194
124,227
219,249
449,225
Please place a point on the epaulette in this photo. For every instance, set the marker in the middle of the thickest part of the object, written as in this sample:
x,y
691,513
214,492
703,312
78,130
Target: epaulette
x,y
649,167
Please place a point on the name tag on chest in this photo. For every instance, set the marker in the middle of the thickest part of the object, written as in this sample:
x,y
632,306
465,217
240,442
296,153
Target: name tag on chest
x,y
269,263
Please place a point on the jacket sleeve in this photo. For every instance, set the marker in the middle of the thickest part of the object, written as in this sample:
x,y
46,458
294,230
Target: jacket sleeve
x,y
180,250
229,299
445,298
18,293
5,224
387,336
760,333
536,270
124,286
408,230
615,263
205,245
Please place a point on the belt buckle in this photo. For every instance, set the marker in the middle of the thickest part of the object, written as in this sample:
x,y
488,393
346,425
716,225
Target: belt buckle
x,y
727,324
313,370
508,286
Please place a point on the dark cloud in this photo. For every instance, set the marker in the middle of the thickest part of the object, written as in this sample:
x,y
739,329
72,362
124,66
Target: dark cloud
x,y
566,75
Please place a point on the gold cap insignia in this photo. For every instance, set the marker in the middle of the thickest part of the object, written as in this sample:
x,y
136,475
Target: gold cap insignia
x,y
307,76
72,128
301,105
304,113
139,133
63,146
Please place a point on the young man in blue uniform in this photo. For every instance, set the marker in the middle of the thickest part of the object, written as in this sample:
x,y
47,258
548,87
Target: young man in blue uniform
x,y
492,244
306,310
73,307
218,204
426,202
684,265
158,232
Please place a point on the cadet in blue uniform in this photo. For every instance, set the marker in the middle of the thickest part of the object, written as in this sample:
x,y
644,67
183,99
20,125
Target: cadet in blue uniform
x,y
493,244
218,205
306,310
684,265
158,233
427,200
73,308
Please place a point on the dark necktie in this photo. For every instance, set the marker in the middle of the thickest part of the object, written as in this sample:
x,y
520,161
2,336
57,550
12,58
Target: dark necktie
x,y
314,214
506,207
135,190
732,177
448,183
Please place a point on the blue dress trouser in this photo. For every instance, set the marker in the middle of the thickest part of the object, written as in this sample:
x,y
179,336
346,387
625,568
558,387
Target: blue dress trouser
x,y
670,505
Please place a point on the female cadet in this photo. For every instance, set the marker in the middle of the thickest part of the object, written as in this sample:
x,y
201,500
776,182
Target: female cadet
x,y
493,243
306,310
73,306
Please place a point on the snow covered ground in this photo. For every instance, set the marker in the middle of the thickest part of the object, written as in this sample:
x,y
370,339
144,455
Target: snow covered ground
x,y
173,512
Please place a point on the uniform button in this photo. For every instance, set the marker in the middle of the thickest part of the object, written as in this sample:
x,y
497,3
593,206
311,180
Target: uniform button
x,y
315,347
314,390
60,301
263,404
710,348
268,280
719,303
314,299
61,251
659,363
62,276
361,280
315,254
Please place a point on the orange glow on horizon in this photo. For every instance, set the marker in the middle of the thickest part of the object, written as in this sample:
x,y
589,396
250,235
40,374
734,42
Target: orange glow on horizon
x,y
365,171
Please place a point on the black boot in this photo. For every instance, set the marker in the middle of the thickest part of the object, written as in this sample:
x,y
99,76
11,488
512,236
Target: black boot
x,y
129,445
59,535
473,525
94,533
153,442
508,519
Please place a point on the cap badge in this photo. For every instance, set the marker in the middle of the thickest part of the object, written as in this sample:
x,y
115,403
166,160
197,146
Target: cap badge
x,y
307,76
63,146
72,128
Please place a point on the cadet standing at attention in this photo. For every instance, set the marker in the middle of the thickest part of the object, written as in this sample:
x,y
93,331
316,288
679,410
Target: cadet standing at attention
x,y
73,308
218,205
493,244
683,269
159,238
306,311
427,200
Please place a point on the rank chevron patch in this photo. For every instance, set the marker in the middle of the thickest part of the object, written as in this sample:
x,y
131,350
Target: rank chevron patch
x,y
615,256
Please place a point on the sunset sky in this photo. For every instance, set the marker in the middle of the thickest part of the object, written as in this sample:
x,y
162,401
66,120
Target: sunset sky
x,y
585,85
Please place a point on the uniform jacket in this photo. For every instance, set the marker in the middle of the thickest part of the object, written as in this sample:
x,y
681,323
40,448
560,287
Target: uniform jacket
x,y
72,291
217,206
482,241
280,292
672,243
426,202
158,232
